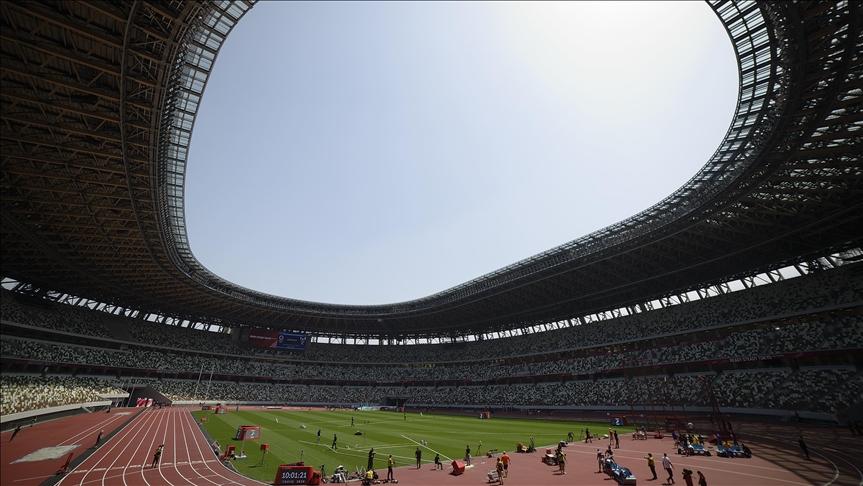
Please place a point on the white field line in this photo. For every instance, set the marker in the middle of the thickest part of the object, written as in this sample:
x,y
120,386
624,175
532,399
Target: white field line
x,y
358,426
351,453
385,446
427,447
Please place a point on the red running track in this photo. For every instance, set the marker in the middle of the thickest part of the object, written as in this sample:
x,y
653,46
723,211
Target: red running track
x,y
126,459
76,432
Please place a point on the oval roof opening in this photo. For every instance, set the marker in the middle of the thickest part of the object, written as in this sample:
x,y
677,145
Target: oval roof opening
x,y
370,153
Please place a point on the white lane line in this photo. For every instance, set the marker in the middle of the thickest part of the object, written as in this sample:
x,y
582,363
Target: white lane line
x,y
35,477
847,461
835,467
144,429
166,413
113,443
147,451
134,456
129,425
116,443
173,415
189,452
198,438
427,447
86,431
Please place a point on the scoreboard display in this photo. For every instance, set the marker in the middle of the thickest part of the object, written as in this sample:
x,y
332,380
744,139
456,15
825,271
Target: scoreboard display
x,y
296,474
268,338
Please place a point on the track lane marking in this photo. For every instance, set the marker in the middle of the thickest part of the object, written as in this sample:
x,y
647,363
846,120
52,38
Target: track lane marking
x,y
344,452
135,452
147,450
144,429
183,427
124,432
173,416
199,438
102,424
116,442
164,440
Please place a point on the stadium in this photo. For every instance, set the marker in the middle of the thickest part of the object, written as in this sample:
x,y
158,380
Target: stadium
x,y
722,326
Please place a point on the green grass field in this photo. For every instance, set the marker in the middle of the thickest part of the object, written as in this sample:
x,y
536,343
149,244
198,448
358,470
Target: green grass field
x,y
387,432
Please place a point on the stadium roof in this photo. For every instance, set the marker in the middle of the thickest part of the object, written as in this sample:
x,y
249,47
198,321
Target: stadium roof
x,y
99,100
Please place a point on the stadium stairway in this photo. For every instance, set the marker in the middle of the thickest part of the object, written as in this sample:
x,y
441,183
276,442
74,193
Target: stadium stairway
x,y
146,391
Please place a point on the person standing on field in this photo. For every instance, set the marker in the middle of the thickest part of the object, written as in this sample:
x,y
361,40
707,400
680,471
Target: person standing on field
x,y
157,456
651,463
419,455
803,446
14,433
390,463
669,468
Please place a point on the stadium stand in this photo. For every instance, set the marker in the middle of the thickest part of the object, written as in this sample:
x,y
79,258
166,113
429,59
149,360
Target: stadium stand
x,y
575,366
27,392
100,283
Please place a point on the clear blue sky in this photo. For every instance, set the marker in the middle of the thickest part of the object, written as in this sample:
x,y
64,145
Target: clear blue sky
x,y
367,153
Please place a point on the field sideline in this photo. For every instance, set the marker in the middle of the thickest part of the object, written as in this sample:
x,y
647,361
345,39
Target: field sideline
x,y
387,432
